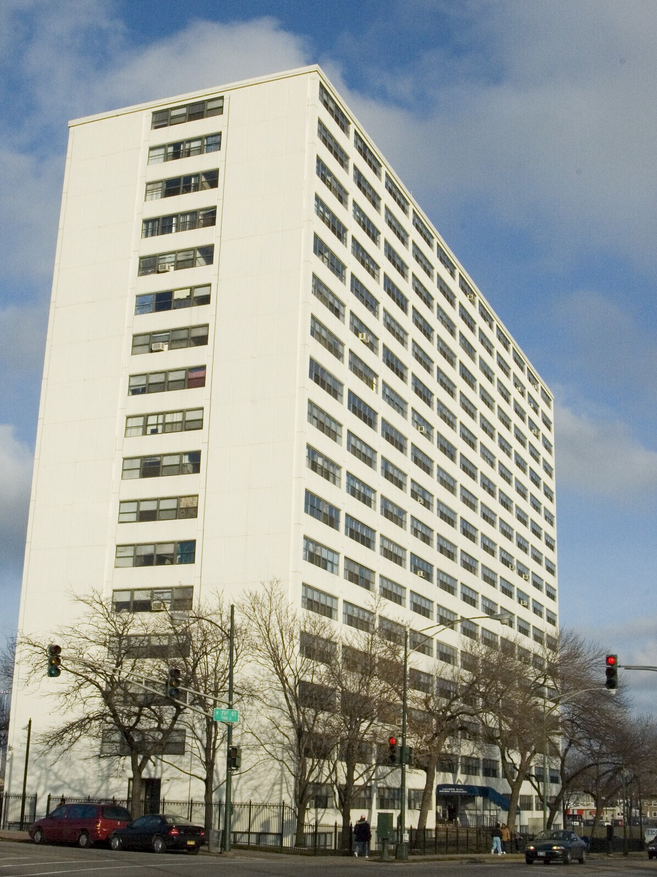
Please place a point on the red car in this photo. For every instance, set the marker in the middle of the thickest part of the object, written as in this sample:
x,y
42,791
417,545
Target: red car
x,y
81,824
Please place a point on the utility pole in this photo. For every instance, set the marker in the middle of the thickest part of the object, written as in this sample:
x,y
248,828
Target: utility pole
x,y
402,850
27,759
229,735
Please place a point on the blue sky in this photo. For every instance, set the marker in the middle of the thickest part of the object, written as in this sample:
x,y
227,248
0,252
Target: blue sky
x,y
526,129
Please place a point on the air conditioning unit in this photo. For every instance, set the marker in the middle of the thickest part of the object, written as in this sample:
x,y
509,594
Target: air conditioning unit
x,y
420,500
158,606
158,346
524,603
536,432
422,574
421,430
471,296
363,336
525,576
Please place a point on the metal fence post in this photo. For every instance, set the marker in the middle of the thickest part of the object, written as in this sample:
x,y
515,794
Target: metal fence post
x,y
282,824
48,804
248,836
335,837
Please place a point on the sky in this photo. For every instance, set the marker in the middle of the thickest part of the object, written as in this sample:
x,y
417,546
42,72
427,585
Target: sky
x,y
526,130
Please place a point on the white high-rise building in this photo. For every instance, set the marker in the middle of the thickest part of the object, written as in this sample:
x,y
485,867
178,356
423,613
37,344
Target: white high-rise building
x,y
263,362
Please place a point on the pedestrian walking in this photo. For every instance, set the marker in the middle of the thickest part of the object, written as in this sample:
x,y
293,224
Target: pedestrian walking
x,y
497,840
506,838
362,837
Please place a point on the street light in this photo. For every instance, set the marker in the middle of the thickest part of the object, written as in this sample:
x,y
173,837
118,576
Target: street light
x,y
503,618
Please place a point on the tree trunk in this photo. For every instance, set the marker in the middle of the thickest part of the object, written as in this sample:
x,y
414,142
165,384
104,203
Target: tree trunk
x,y
209,757
516,785
349,771
135,801
427,794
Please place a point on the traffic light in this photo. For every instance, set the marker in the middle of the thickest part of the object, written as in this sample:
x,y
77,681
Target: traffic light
x,y
611,672
393,752
173,683
407,755
234,758
54,660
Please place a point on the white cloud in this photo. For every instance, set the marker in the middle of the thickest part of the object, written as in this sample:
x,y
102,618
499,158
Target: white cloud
x,y
601,458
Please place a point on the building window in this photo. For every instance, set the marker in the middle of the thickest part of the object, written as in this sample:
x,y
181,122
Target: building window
x,y
354,616
396,227
394,436
323,465
368,190
176,261
184,185
358,574
365,297
172,299
469,531
395,259
425,361
445,513
331,182
393,474
184,148
392,591
329,258
332,145
326,338
328,298
469,596
394,328
421,605
160,554
359,532
395,364
422,391
396,193
322,510
176,222
363,371
364,150
421,531
398,297
170,421
423,426
392,551
188,113
321,556
324,422
422,496
164,509
361,450
173,339
471,564
448,385
361,491
394,400
447,448
362,410
154,600
422,261
154,466
329,219
445,260
167,381
333,109
421,568
323,378
318,601
393,512
446,352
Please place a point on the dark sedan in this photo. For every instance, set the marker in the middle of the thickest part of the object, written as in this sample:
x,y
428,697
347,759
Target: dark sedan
x,y
159,832
555,846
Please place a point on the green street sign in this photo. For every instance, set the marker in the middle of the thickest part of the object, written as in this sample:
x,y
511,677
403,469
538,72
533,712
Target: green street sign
x,y
229,716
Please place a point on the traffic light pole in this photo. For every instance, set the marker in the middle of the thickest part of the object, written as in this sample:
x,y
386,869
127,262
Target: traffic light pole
x,y
229,735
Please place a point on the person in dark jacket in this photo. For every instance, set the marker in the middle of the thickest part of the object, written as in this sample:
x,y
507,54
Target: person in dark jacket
x,y
362,837
497,839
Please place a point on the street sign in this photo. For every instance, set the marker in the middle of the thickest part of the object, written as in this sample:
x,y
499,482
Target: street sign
x,y
228,716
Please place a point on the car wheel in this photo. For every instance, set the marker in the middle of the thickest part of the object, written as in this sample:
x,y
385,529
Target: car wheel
x,y
40,839
83,840
158,844
567,857
115,842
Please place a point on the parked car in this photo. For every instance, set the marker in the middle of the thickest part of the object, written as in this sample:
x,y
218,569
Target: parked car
x,y
159,832
652,848
555,846
82,824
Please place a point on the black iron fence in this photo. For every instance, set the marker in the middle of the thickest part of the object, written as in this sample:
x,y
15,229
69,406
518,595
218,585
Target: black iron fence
x,y
454,839
17,811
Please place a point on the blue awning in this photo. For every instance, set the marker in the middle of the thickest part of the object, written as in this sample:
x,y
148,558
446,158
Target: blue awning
x,y
493,795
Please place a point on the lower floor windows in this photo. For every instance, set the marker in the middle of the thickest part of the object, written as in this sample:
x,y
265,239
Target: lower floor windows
x,y
320,555
318,601
159,554
186,463
165,509
168,421
153,600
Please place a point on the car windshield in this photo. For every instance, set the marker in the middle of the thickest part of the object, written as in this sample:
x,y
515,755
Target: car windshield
x,y
172,819
553,835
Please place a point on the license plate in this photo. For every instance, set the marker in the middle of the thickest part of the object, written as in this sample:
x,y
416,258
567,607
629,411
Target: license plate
x,y
191,843
541,854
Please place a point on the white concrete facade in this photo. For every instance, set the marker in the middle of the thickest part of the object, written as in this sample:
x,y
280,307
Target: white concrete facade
x,y
359,283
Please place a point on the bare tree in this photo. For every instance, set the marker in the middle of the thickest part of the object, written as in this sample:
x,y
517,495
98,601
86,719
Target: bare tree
x,y
202,643
7,660
107,656
290,653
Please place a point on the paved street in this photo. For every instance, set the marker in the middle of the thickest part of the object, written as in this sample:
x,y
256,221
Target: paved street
x,y
27,860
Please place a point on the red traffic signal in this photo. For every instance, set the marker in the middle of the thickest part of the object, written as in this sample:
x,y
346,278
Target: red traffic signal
x,y
611,672
393,755
392,741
